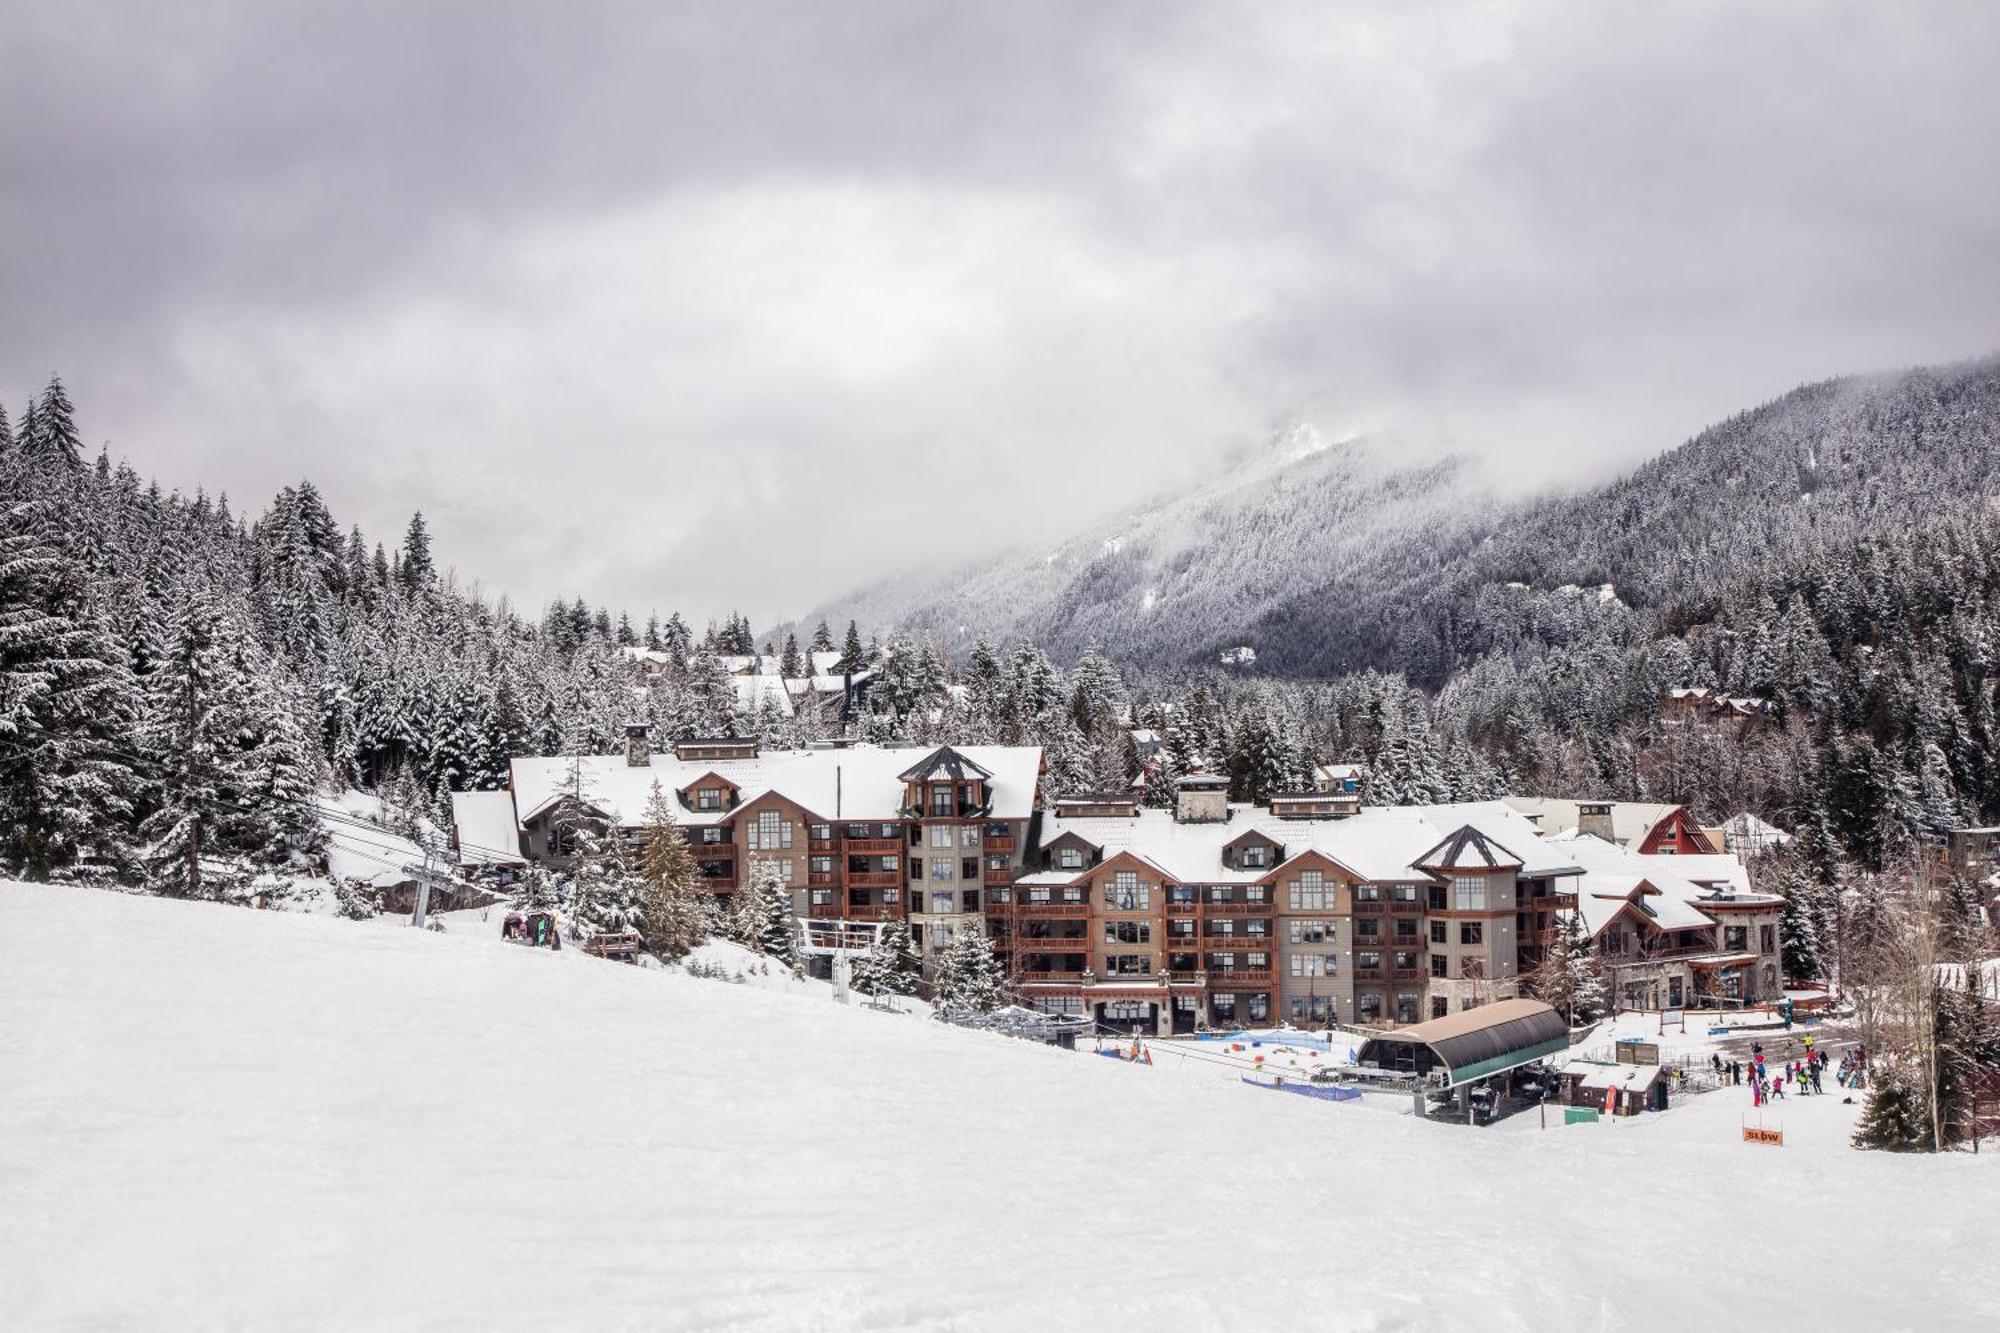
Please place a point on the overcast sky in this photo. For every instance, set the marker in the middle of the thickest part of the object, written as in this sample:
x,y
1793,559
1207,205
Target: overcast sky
x,y
736,305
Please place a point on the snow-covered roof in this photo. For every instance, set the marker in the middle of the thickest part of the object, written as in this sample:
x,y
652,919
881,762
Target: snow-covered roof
x,y
859,782
1625,1078
1631,821
1659,886
1379,843
487,834
754,690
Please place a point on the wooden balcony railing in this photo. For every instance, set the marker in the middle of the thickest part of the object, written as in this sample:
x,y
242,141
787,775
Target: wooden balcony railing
x,y
874,879
1235,909
873,846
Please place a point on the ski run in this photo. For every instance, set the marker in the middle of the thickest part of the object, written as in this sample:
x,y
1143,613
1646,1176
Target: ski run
x,y
218,1118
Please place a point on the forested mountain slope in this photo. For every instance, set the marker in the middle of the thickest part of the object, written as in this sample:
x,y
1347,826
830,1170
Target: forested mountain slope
x,y
1183,576
1347,557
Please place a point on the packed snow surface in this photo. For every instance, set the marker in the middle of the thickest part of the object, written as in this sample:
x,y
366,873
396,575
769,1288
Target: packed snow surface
x,y
213,1117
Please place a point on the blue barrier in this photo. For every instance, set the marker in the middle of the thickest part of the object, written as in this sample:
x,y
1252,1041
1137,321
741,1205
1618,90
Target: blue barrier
x,y
1318,1090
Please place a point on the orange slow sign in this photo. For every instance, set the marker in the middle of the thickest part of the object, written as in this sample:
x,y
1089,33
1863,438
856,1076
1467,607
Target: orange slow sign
x,y
1775,1137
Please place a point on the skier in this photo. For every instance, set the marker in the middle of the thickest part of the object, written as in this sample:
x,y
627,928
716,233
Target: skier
x,y
1815,1080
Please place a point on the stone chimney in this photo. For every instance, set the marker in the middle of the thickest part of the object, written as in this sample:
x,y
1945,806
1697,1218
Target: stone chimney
x,y
638,753
1201,798
1594,818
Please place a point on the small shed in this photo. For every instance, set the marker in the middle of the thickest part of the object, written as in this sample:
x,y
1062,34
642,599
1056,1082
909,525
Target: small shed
x,y
1471,1044
1618,1089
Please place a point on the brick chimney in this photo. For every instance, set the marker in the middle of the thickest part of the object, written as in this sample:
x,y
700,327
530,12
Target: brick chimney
x,y
638,753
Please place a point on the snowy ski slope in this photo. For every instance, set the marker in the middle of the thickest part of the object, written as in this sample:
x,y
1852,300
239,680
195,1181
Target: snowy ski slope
x,y
212,1117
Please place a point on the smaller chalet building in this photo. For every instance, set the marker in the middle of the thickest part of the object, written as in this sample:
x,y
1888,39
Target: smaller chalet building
x,y
1674,932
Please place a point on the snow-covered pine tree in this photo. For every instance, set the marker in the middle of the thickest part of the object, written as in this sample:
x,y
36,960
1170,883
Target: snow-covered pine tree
x,y
677,913
763,920
416,571
968,974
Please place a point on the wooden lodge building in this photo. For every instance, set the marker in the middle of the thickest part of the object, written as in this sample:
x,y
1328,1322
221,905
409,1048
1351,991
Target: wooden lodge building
x,y
1309,909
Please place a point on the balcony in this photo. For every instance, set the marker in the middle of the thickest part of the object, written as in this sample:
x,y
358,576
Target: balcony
x,y
1414,907
817,878
1365,908
874,879
1235,908
999,876
1224,978
1002,844
1371,974
872,846
1059,978
823,846
1054,909
1052,943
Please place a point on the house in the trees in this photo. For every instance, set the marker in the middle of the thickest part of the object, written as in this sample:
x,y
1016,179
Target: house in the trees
x,y
1973,849
1698,704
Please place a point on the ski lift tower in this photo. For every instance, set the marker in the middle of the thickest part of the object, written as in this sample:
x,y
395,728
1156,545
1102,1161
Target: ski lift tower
x,y
841,942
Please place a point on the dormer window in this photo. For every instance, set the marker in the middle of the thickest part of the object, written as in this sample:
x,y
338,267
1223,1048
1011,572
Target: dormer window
x,y
1252,858
1070,858
943,801
708,798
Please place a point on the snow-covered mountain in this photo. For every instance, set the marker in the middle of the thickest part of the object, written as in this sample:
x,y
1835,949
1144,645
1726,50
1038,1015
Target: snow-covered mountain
x,y
1321,559
1168,579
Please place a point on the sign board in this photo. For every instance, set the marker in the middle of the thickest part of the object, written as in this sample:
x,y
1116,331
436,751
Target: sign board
x,y
1581,1115
1638,1052
1774,1137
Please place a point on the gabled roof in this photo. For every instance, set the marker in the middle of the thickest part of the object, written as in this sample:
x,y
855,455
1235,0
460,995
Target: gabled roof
x,y
1466,848
944,764
1631,821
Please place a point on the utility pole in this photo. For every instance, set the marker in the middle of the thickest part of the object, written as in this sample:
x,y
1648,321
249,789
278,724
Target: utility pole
x,y
423,891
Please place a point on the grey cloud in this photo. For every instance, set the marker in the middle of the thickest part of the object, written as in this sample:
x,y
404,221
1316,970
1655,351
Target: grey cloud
x,y
811,283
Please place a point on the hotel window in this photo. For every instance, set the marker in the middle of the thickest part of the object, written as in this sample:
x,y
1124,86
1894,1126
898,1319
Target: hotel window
x,y
1406,893
1367,928
1222,962
941,835
889,863
1181,893
784,869
1060,1004
1439,962
1309,891
943,799
1072,895
1468,893
1038,895
1070,858
1406,929
969,836
1368,893
916,867
708,798
998,862
711,834
770,832
1406,962
1369,959
1127,964
969,901
1307,965
1735,938
821,832
1257,962
1126,893
1257,930
1222,930
860,830
1368,1008
1311,932
1257,893
944,902
821,865
1437,932
890,831
1128,932
822,897
1767,937
941,870
1471,932
1225,1005
1260,1007
969,868
1251,858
